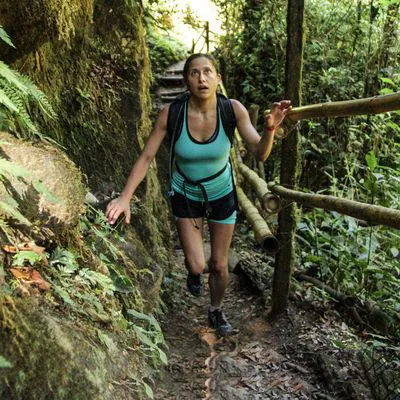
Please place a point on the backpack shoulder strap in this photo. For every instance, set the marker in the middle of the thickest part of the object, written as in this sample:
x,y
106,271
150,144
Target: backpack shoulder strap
x,y
175,116
227,115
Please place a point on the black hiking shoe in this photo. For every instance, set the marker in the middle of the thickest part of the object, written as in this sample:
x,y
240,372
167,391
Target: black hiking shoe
x,y
195,284
219,322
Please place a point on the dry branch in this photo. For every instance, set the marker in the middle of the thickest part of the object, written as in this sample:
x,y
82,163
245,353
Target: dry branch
x,y
347,108
262,233
368,212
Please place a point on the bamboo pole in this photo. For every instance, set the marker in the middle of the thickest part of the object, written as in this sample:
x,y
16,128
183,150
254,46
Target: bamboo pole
x,y
271,204
368,212
346,108
262,233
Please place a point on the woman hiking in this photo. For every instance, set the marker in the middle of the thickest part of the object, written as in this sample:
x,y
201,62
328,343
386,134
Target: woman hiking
x,y
202,179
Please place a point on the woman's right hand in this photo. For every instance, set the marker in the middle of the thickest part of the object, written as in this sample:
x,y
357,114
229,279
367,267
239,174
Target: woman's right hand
x,y
116,207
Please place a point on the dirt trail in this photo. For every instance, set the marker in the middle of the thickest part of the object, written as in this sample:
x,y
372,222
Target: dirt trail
x,y
293,358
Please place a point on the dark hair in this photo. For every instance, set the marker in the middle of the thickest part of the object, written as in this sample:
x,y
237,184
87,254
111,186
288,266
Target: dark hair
x,y
193,57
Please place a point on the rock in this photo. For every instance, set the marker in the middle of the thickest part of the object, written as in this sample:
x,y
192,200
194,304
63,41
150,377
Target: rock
x,y
51,190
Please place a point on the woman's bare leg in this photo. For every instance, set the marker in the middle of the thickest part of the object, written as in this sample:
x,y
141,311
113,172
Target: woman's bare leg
x,y
191,240
221,238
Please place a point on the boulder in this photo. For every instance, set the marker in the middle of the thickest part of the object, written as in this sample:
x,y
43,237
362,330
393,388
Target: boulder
x,y
50,191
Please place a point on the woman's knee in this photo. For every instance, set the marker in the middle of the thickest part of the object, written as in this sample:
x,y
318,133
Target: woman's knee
x,y
195,265
218,266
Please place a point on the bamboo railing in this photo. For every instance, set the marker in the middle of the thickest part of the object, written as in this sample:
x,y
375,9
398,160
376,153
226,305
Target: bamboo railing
x,y
370,105
368,212
269,202
262,233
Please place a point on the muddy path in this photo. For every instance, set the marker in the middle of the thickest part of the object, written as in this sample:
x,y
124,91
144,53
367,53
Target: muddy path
x,y
299,356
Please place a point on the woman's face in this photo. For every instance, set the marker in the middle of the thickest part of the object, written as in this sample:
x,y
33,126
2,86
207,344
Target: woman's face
x,y
202,79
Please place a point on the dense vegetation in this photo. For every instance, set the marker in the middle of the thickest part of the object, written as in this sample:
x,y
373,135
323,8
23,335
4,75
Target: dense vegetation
x,y
350,52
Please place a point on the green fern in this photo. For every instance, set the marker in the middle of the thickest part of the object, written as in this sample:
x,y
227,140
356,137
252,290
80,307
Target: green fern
x,y
11,211
4,36
16,92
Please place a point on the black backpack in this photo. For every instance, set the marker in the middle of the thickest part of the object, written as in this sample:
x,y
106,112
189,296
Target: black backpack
x,y
175,122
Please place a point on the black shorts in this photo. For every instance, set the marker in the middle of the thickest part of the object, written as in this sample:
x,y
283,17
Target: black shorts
x,y
219,209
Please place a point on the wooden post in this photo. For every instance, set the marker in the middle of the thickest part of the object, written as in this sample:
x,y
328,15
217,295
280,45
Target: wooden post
x,y
253,113
289,160
208,36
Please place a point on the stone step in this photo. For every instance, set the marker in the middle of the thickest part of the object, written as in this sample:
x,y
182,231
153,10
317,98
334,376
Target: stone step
x,y
175,72
171,91
167,99
170,80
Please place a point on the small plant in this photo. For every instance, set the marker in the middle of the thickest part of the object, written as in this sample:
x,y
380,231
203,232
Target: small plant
x,y
150,335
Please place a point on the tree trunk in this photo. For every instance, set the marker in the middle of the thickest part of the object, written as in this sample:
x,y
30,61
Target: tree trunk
x,y
290,160
368,212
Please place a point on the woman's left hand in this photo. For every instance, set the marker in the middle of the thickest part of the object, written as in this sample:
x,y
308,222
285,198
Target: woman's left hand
x,y
277,114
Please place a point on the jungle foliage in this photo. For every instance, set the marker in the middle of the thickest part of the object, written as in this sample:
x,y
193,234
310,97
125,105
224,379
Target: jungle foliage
x,y
164,48
350,52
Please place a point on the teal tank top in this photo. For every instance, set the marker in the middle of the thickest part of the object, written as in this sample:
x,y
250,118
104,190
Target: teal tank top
x,y
200,160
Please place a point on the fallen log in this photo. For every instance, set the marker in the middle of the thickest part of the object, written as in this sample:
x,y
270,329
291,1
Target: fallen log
x,y
269,201
368,212
262,233
347,108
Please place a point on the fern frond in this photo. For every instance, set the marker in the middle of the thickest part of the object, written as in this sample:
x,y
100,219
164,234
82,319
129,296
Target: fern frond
x,y
19,100
8,168
20,89
6,120
4,36
6,101
36,94
12,77
9,211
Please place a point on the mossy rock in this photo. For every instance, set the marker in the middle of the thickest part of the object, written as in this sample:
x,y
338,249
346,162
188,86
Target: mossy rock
x,y
55,357
49,167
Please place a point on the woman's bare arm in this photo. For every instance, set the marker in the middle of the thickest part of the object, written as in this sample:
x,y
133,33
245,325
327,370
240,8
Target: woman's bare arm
x,y
260,146
139,170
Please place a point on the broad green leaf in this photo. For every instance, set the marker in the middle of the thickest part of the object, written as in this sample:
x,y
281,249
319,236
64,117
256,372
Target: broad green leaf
x,y
143,337
148,390
21,257
146,317
371,160
4,363
394,251
388,80
163,357
64,295
386,91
